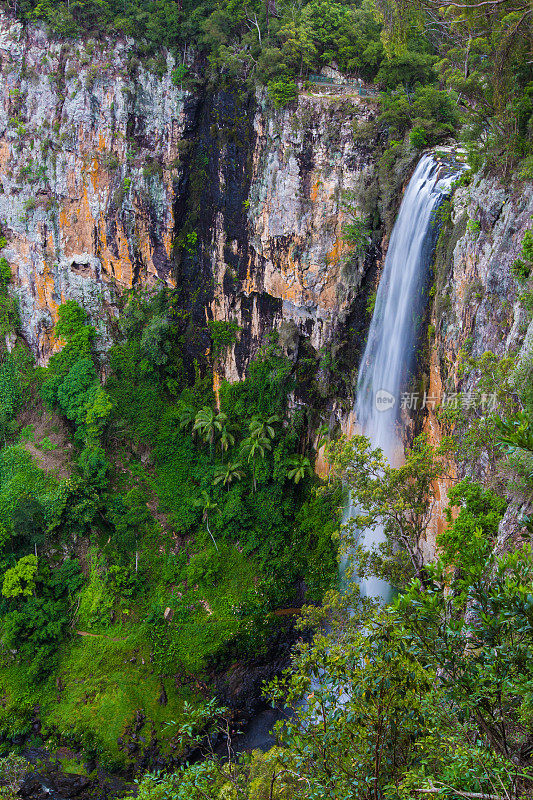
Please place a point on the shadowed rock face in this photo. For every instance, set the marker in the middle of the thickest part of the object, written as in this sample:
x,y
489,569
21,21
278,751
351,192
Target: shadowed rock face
x,y
104,165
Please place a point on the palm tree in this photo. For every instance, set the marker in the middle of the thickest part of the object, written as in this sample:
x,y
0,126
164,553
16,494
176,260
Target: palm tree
x,y
263,427
186,416
227,473
256,445
299,467
227,439
208,507
208,423
204,424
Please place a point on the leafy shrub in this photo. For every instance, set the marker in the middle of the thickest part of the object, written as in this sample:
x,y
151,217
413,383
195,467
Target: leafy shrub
x,y
71,318
476,524
418,137
282,92
5,273
223,334
521,268
179,74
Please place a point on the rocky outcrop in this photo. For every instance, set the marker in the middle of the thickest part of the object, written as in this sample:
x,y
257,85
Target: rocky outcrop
x,y
477,309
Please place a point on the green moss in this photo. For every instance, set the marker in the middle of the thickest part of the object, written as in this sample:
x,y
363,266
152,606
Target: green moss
x,y
72,767
104,683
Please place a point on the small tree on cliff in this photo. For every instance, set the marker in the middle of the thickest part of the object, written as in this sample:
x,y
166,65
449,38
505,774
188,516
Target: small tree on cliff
x,y
399,499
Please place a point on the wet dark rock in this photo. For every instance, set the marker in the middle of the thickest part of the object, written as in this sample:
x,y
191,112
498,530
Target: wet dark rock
x,y
71,786
31,787
240,687
57,785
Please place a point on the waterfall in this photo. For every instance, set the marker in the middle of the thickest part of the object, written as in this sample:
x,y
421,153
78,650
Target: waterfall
x,y
389,354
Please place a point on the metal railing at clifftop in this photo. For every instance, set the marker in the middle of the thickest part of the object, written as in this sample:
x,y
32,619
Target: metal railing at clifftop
x,y
362,91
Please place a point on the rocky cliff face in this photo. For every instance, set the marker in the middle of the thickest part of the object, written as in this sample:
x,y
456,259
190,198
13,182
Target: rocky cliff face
x,y
476,306
89,158
104,164
305,163
113,177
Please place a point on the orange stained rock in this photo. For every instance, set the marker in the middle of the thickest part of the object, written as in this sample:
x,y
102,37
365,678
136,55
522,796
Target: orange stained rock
x,y
169,227
99,178
349,425
322,465
216,387
45,290
248,285
328,296
50,245
119,267
279,286
432,427
314,190
333,256
5,153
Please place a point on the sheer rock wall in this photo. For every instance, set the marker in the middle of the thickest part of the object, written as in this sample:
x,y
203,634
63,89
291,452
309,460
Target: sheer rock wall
x,y
97,155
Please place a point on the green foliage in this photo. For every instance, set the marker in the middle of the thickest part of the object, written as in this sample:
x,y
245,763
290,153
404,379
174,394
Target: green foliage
x,y
208,424
179,74
97,413
5,273
299,467
355,231
371,303
71,318
418,137
223,335
20,579
142,477
24,492
430,113
282,93
397,498
474,528
77,390
521,268
485,65
222,599
227,473
29,522
10,392
268,382
9,317
13,769
71,375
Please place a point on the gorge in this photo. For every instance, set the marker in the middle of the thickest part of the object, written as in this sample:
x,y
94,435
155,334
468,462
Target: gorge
x,y
240,249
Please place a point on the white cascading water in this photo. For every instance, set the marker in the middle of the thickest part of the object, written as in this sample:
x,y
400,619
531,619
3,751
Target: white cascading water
x,y
392,337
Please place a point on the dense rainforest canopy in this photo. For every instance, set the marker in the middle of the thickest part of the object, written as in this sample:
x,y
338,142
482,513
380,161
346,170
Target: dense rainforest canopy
x,y
478,50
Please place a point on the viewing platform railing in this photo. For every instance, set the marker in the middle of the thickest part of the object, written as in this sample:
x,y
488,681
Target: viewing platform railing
x,y
359,87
